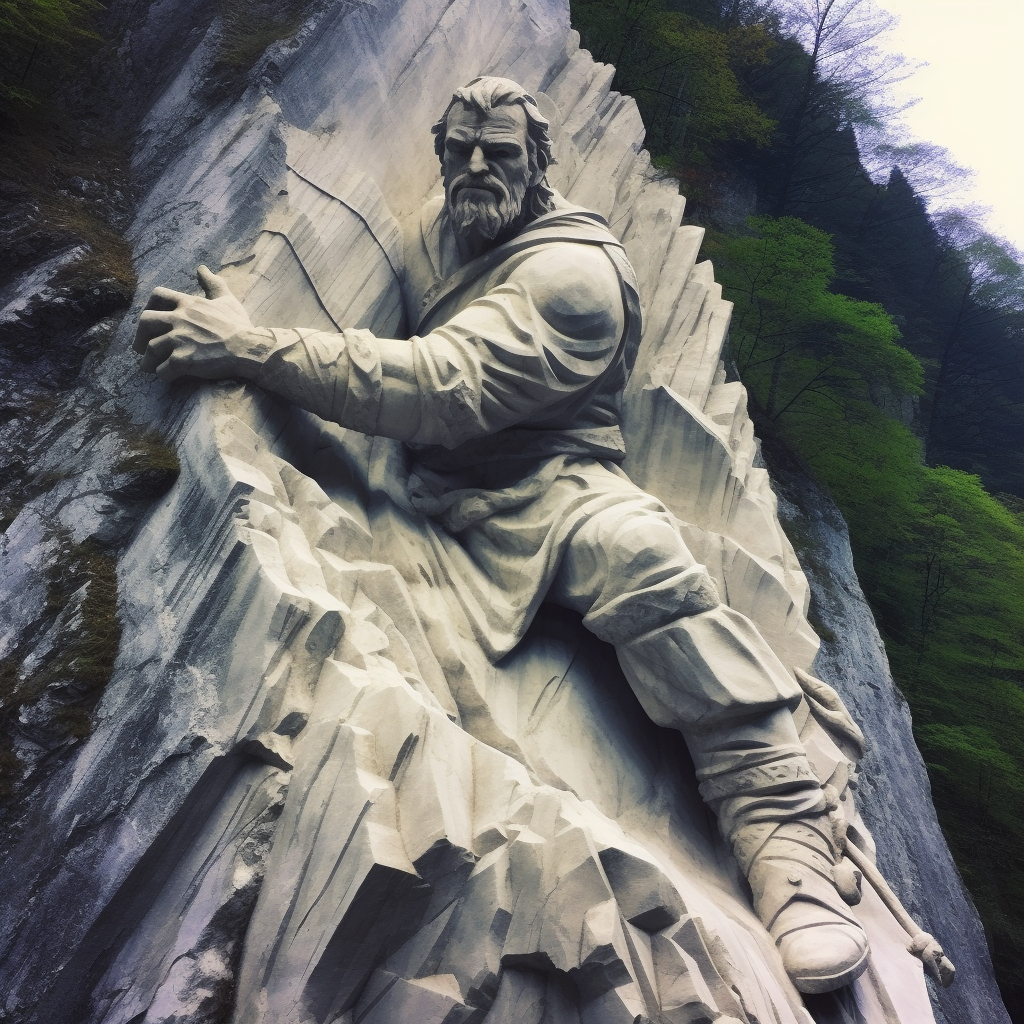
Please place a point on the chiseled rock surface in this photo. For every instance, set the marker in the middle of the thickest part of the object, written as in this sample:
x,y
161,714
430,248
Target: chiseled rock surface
x,y
894,794
307,796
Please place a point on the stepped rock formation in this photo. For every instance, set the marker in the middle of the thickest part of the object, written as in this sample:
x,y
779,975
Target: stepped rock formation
x,y
308,796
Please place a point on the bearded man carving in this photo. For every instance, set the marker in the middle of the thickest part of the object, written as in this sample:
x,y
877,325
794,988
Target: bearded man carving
x,y
527,320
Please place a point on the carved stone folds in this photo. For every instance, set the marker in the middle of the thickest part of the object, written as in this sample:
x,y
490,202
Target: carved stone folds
x,y
320,801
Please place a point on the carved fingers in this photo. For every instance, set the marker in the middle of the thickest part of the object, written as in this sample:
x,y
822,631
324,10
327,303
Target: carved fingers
x,y
213,284
160,347
153,321
188,335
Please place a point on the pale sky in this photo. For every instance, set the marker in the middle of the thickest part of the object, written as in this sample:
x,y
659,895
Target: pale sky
x,y
972,94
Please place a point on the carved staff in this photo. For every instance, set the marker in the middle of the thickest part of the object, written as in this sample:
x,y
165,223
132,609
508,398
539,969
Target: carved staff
x,y
922,945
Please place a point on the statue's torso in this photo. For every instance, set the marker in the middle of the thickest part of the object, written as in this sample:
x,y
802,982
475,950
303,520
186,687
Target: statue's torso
x,y
437,288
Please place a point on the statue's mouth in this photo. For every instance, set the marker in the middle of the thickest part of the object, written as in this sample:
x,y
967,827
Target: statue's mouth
x,y
490,188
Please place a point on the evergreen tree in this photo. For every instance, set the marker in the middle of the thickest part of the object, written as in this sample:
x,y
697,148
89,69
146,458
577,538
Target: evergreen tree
x,y
680,71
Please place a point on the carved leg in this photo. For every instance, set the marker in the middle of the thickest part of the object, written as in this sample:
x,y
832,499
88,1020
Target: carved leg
x,y
704,669
772,810
734,712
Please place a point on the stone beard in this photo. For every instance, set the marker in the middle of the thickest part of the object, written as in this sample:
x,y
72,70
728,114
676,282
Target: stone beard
x,y
481,211
509,394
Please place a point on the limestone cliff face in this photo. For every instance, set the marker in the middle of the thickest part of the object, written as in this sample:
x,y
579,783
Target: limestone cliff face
x,y
305,795
894,795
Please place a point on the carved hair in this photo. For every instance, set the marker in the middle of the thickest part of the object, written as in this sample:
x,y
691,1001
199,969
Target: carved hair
x,y
484,94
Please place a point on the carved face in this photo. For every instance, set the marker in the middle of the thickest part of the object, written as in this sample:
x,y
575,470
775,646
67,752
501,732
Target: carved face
x,y
486,168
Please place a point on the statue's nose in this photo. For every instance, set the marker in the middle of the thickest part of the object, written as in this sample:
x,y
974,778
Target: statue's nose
x,y
477,163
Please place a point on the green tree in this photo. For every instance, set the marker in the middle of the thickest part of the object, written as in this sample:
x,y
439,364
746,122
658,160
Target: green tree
x,y
793,338
680,70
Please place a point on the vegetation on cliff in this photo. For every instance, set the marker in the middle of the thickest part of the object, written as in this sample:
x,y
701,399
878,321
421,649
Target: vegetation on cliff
x,y
34,34
64,204
885,346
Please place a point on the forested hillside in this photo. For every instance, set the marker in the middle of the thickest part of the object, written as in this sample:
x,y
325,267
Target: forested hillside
x,y
884,346
881,344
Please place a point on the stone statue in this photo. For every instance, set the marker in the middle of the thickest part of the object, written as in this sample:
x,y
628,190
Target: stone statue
x,y
526,319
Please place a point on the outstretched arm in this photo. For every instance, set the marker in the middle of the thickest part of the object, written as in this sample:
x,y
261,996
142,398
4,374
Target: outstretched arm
x,y
181,335
549,330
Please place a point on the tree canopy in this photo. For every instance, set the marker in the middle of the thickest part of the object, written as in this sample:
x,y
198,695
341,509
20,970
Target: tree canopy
x,y
880,342
792,337
681,72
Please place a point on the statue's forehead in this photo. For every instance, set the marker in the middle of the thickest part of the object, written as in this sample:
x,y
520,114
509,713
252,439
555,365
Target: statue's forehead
x,y
499,122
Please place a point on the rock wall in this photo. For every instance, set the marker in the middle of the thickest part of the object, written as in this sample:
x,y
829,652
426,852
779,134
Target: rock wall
x,y
306,795
894,795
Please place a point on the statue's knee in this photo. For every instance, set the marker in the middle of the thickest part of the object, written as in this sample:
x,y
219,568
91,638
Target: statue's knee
x,y
631,573
639,544
625,612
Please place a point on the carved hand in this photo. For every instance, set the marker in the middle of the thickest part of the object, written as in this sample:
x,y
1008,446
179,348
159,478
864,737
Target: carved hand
x,y
183,335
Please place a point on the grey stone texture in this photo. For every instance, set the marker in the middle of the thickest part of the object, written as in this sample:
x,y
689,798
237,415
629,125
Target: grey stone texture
x,y
893,794
309,796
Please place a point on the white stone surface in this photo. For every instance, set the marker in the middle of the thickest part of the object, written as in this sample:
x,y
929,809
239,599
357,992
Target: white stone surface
x,y
309,795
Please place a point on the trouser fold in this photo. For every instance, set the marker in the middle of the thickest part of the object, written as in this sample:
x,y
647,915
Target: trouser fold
x,y
713,677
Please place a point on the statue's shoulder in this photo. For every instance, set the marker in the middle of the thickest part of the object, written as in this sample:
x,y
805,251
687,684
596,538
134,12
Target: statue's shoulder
x,y
578,264
573,284
587,232
567,223
565,265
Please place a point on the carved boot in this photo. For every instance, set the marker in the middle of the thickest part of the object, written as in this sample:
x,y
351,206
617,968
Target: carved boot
x,y
790,866
712,676
771,808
